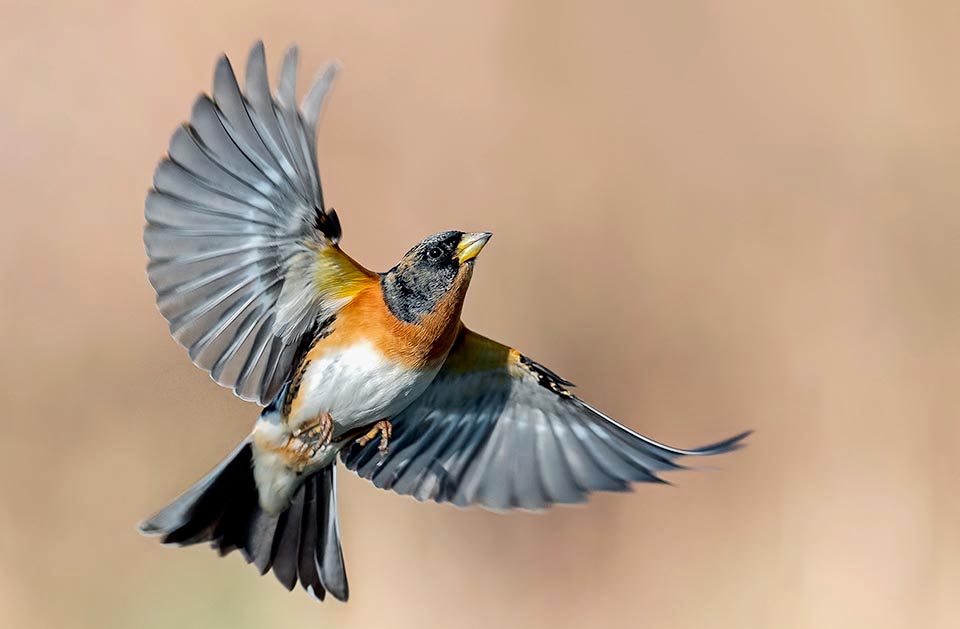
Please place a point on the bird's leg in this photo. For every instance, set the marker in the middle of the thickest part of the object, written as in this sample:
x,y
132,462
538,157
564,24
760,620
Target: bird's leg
x,y
283,452
383,428
308,438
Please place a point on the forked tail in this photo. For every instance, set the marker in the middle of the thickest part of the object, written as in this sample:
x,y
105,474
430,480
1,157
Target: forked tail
x,y
301,543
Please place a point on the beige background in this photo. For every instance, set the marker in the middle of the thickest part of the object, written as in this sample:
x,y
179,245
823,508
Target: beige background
x,y
711,215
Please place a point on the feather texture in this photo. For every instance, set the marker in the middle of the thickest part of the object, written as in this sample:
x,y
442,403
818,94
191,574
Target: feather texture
x,y
498,430
242,251
300,544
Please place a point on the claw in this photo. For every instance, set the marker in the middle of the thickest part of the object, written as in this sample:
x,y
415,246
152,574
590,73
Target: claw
x,y
383,428
307,440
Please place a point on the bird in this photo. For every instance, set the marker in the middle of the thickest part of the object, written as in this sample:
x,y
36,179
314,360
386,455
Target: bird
x,y
376,368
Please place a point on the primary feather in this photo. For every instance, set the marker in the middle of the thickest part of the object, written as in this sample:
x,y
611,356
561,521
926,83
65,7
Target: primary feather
x,y
499,430
243,253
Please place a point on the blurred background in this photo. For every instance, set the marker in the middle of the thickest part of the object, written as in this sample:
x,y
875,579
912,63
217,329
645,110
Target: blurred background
x,y
712,216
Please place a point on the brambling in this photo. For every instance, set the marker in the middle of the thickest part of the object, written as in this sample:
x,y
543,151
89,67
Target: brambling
x,y
374,367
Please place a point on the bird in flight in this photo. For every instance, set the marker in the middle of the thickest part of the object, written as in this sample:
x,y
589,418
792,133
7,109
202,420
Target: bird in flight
x,y
376,368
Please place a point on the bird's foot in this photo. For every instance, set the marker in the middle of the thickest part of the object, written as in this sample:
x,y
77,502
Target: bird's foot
x,y
306,440
383,428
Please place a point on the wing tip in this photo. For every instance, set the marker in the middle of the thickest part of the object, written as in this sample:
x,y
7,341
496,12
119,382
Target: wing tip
x,y
292,54
315,98
256,72
730,444
149,527
286,93
223,74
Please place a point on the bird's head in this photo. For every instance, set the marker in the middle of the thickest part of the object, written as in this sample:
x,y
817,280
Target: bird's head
x,y
438,266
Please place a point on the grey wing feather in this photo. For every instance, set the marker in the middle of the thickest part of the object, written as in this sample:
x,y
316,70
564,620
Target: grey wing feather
x,y
230,210
507,438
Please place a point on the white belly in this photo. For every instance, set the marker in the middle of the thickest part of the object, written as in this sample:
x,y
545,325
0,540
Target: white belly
x,y
357,385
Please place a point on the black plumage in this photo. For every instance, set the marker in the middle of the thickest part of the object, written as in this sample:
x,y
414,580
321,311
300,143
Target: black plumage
x,y
301,544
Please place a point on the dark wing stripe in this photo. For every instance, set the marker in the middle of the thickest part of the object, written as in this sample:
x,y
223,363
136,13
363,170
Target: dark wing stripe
x,y
506,436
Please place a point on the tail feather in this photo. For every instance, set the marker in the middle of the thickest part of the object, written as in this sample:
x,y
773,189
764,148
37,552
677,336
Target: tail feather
x,y
286,558
302,543
259,546
328,554
309,538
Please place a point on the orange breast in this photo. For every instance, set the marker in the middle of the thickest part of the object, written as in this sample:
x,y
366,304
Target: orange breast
x,y
367,319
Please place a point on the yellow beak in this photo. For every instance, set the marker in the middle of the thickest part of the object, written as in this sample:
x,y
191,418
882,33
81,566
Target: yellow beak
x,y
471,244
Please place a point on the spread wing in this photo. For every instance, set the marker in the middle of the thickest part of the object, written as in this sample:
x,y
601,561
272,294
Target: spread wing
x,y
242,253
499,430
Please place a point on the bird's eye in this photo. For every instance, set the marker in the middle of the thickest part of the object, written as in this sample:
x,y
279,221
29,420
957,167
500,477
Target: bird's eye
x,y
434,252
